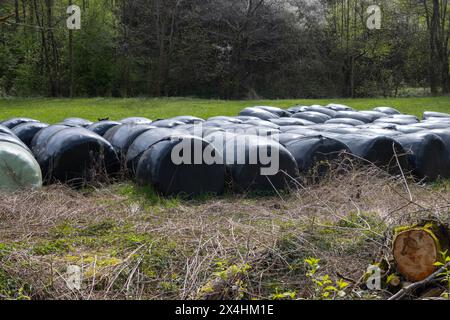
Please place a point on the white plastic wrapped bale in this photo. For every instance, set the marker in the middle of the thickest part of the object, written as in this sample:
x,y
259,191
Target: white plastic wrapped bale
x,y
18,168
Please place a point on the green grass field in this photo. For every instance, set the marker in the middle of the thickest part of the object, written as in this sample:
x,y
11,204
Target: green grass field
x,y
55,110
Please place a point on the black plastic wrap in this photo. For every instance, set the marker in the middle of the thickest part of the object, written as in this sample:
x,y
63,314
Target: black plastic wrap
x,y
76,156
246,175
121,137
385,152
79,122
314,155
13,122
291,122
277,111
387,110
102,127
258,113
339,107
427,154
167,123
262,123
40,139
312,116
27,131
431,114
157,169
187,119
285,138
6,130
297,109
329,112
396,121
144,141
136,120
225,118
348,121
363,117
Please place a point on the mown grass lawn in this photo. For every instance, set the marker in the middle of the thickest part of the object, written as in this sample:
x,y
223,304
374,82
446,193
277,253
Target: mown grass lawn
x,y
55,110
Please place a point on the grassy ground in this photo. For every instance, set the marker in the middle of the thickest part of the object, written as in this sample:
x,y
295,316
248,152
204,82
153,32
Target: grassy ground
x,y
55,110
132,244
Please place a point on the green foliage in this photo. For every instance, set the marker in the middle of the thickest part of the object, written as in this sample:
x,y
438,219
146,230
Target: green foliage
x,y
324,288
445,275
126,49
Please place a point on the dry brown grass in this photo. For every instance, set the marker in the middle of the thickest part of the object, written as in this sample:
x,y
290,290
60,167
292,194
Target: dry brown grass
x,y
131,248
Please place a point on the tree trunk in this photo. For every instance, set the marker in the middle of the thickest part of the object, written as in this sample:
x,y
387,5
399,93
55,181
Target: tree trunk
x,y
71,59
16,10
417,249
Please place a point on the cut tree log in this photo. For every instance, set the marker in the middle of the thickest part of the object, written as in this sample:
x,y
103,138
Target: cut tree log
x,y
417,249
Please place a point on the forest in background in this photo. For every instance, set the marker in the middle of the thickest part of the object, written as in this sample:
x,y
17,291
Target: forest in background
x,y
230,49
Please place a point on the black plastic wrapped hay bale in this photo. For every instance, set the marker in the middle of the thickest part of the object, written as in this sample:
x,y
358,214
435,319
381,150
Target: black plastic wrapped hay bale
x,y
312,116
399,119
384,152
347,121
157,168
188,119
18,168
262,123
196,130
258,113
427,155
297,109
77,122
11,123
40,139
375,114
77,156
285,138
247,170
431,114
6,130
329,112
27,131
339,107
304,131
363,117
387,110
225,118
315,155
136,120
167,123
144,142
277,111
291,122
408,129
121,137
102,127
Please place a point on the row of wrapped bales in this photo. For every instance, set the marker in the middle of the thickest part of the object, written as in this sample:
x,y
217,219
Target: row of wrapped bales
x,y
18,168
240,151
66,152
383,136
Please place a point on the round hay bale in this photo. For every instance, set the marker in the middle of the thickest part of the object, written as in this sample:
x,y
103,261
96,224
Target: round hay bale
x,y
157,168
26,131
18,168
11,123
77,156
102,127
